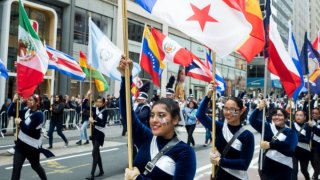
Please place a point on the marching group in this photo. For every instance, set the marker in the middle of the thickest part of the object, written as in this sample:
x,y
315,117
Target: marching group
x,y
160,154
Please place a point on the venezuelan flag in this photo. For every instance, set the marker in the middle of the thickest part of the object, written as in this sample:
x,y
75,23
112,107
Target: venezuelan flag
x,y
151,59
100,81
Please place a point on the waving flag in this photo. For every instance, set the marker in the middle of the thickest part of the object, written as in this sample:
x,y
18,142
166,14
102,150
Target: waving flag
x,y
221,84
151,59
103,55
219,24
198,70
294,54
33,59
280,62
256,40
65,64
136,85
171,49
3,70
100,81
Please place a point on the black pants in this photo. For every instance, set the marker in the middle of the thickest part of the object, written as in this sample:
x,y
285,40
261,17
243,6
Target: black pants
x,y
303,166
190,129
33,158
96,157
4,124
315,162
58,125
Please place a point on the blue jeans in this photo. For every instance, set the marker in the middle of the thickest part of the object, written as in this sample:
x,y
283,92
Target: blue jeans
x,y
83,131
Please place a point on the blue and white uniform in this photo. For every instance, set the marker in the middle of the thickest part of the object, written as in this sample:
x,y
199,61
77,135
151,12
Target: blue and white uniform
x,y
178,163
236,162
277,164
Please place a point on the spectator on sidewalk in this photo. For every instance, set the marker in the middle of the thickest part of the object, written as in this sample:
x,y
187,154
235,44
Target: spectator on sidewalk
x,y
4,108
85,120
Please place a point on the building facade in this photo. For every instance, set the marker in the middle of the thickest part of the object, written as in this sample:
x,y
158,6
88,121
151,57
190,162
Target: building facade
x,y
63,24
314,18
301,20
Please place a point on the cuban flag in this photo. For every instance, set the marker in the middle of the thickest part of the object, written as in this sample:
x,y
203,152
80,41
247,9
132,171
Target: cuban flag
x,y
221,84
198,70
65,64
3,70
219,24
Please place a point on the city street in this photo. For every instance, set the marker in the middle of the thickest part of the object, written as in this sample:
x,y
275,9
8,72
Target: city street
x,y
74,162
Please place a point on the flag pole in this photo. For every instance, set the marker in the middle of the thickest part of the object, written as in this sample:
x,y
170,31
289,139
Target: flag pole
x,y
290,109
17,116
213,134
90,100
127,84
264,110
309,95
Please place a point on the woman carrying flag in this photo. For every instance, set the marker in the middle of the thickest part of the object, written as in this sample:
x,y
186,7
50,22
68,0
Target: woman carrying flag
x,y
161,154
29,143
235,145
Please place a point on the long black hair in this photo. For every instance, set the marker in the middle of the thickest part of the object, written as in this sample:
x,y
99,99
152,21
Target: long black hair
x,y
239,103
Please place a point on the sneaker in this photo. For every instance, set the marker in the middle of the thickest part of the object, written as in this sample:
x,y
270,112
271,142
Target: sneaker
x,y
79,142
11,151
87,142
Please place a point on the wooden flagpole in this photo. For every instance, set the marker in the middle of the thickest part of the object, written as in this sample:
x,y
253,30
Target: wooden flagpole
x,y
290,109
213,133
17,116
127,84
90,100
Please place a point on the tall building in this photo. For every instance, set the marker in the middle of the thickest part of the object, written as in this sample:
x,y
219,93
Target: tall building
x,y
301,20
314,18
63,24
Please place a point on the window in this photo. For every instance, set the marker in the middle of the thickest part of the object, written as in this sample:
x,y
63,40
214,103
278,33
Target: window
x,y
80,26
135,30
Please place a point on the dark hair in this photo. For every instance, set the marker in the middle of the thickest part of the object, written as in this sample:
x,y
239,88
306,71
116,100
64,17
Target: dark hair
x,y
60,98
36,99
102,98
304,113
284,112
171,106
195,104
239,103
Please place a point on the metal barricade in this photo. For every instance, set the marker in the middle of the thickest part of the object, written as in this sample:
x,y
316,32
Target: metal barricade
x,y
113,117
70,119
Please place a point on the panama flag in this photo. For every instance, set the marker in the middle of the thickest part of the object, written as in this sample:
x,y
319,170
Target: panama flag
x,y
221,84
65,64
103,55
33,59
219,24
3,70
198,70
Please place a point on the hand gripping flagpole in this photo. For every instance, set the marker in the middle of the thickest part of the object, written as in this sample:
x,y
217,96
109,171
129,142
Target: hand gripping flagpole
x,y
127,84
213,132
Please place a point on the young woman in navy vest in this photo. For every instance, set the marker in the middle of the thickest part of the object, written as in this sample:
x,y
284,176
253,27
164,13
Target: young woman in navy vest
x,y
302,153
99,120
29,143
277,162
235,163
179,162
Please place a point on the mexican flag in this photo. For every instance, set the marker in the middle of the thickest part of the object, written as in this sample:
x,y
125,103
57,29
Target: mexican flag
x,y
100,81
32,57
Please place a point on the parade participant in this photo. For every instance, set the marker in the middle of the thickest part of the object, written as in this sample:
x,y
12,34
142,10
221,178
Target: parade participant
x,y
315,149
99,120
29,143
179,89
85,120
236,154
143,109
279,143
190,112
302,153
177,160
57,120
169,88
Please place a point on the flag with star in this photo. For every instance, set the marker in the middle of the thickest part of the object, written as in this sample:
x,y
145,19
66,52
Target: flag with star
x,y
151,59
219,24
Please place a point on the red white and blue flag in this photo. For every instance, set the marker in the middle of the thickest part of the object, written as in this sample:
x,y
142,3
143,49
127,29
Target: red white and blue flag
x,y
65,64
219,24
198,70
221,84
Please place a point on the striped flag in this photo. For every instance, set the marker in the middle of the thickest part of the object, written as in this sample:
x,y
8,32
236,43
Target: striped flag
x,y
221,84
198,70
3,70
100,81
65,64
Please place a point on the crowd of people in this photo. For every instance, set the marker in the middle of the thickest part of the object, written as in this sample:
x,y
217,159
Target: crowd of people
x,y
290,136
